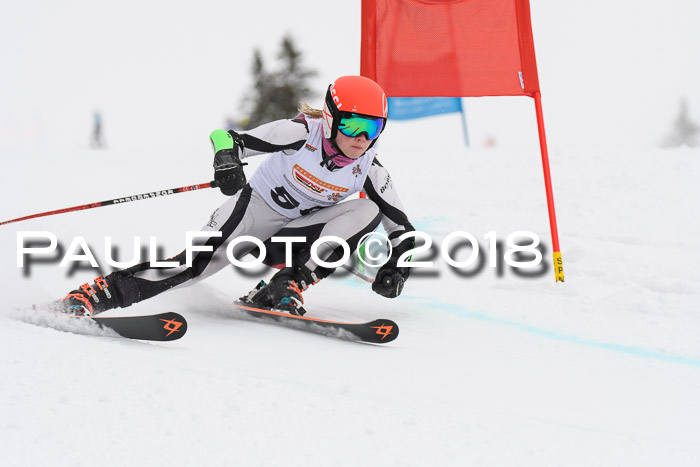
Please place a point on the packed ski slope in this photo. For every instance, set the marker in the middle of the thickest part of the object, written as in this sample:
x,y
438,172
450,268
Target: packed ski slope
x,y
490,368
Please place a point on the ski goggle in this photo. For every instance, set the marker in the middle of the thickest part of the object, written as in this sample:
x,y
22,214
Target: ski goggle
x,y
354,125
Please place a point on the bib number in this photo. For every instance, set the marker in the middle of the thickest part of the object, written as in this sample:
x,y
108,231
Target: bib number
x,y
281,196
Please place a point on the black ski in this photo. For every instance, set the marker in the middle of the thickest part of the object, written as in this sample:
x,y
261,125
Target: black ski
x,y
379,331
167,326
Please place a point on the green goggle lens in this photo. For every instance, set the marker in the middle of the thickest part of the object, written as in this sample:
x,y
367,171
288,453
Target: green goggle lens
x,y
354,125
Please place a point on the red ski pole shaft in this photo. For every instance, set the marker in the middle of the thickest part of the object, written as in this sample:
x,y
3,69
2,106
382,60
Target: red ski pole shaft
x,y
125,199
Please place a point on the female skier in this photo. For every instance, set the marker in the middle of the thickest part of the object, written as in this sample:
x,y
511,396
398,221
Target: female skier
x,y
316,160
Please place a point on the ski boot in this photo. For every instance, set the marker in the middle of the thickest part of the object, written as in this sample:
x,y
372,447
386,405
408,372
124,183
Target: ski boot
x,y
283,293
88,299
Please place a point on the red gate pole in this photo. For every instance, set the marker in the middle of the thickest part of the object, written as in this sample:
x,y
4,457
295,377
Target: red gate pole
x,y
558,264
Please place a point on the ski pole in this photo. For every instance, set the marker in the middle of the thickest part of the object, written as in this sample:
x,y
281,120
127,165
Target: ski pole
x,y
125,199
357,273
153,194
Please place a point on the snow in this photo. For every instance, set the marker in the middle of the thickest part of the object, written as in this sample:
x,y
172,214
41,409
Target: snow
x,y
488,369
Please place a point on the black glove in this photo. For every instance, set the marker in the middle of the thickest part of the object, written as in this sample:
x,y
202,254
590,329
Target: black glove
x,y
389,281
391,278
228,171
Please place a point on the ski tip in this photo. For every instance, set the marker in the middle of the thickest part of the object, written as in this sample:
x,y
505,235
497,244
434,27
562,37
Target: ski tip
x,y
174,326
383,331
167,326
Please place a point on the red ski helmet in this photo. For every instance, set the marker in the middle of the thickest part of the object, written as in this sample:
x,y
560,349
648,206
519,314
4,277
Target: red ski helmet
x,y
352,94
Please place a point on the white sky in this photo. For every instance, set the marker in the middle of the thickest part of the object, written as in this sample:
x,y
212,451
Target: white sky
x,y
611,72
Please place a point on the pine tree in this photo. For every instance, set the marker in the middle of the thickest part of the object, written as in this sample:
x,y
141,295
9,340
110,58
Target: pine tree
x,y
277,94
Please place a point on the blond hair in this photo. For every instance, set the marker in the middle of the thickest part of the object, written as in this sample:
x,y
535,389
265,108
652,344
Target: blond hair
x,y
307,110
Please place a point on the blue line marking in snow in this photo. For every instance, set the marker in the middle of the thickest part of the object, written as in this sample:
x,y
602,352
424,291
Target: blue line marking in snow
x,y
548,333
